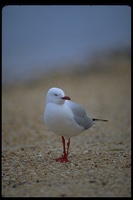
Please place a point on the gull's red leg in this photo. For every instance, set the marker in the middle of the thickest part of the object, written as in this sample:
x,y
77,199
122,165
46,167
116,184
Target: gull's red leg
x,y
64,146
68,144
64,156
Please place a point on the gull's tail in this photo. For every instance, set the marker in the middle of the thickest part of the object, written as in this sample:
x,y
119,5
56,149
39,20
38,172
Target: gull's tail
x,y
103,120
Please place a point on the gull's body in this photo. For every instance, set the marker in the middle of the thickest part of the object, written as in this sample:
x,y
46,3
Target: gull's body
x,y
66,121
64,117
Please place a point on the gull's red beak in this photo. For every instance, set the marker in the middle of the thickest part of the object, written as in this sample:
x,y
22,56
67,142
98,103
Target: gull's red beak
x,y
66,98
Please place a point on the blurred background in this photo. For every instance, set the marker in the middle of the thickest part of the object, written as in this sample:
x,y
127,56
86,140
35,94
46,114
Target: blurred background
x,y
40,40
86,51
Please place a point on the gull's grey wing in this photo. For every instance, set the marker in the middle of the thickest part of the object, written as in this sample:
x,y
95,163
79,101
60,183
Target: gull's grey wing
x,y
80,115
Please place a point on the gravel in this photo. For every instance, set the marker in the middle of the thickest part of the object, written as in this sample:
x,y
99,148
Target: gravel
x,y
100,158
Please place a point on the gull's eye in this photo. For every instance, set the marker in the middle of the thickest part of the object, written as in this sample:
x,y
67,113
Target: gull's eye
x,y
55,94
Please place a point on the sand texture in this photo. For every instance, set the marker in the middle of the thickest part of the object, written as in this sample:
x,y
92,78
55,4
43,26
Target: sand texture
x,y
100,158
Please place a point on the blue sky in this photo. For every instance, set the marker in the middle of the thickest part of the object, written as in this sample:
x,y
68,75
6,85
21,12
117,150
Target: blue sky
x,y
39,38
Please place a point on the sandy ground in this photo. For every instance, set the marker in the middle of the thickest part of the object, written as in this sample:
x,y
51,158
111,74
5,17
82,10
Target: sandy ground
x,y
100,158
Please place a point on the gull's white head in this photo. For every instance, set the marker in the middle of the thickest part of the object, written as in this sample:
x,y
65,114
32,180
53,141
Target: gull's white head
x,y
56,95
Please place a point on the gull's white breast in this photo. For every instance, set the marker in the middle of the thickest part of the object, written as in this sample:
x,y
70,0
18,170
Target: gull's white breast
x,y
60,119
